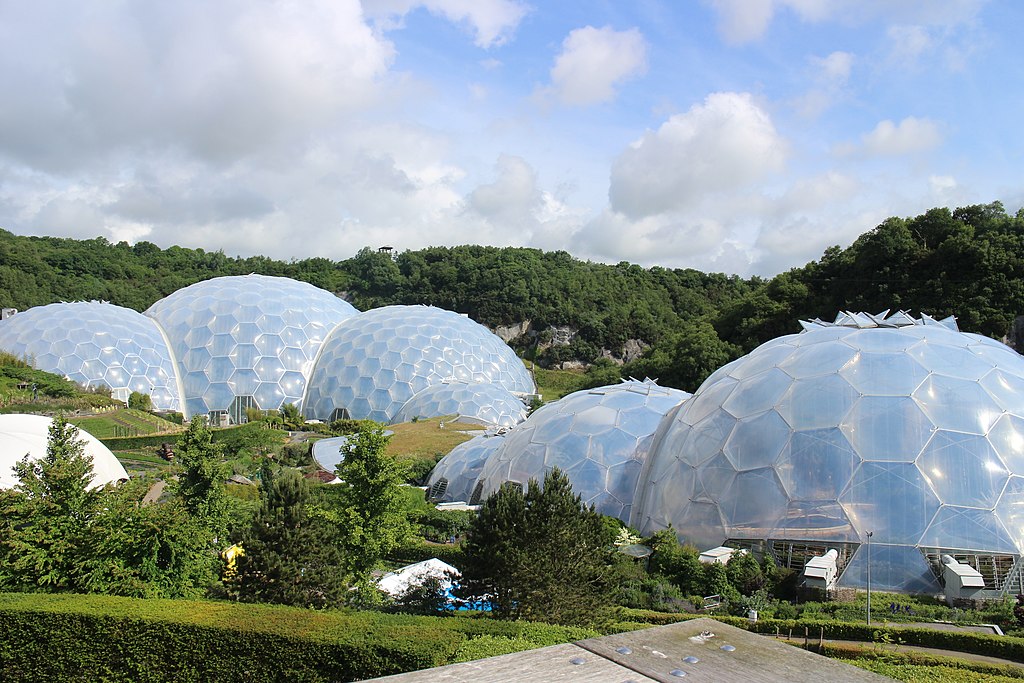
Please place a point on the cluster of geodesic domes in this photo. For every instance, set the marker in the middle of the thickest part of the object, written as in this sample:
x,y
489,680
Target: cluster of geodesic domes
x,y
228,344
905,429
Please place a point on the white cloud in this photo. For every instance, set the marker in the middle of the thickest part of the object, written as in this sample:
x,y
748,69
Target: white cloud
x,y
909,136
491,21
745,21
830,75
908,43
593,61
719,146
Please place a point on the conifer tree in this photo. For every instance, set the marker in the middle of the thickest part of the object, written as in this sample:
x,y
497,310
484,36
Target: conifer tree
x,y
46,517
290,556
541,555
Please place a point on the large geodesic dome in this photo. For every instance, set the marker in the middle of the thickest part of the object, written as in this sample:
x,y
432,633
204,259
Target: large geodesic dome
x,y
599,437
247,341
376,361
22,435
94,343
905,429
485,404
454,476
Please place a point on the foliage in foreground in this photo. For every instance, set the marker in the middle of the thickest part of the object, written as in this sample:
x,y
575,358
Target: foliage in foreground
x,y
120,639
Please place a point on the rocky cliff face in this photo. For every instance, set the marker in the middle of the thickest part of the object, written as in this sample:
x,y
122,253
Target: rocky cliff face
x,y
564,335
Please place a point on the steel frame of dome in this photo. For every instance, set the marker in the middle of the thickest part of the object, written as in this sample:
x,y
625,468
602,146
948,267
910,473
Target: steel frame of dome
x,y
902,427
376,361
97,344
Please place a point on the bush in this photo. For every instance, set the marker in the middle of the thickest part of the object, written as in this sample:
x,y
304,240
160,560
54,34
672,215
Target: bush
x,y
123,639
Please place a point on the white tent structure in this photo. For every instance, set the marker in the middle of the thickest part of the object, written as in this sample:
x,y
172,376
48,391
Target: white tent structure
x,y
26,434
396,583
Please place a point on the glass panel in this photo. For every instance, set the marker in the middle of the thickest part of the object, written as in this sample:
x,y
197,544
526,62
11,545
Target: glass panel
x,y
950,361
817,403
963,469
1006,388
754,503
887,428
967,529
892,500
957,405
817,465
757,442
884,374
893,568
757,394
1010,511
817,359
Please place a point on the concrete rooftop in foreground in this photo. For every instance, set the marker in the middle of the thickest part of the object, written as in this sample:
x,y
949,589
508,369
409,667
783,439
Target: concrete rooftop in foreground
x,y
653,655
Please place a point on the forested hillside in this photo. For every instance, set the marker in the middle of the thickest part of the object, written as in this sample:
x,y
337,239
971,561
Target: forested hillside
x,y
968,262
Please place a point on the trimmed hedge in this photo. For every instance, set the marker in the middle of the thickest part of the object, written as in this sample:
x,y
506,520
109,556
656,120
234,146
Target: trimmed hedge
x,y
86,637
890,653
1004,647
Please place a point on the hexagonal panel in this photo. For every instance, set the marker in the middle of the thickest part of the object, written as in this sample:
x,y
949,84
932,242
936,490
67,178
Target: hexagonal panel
x,y
887,428
817,464
757,441
892,500
884,374
957,405
963,469
967,529
817,403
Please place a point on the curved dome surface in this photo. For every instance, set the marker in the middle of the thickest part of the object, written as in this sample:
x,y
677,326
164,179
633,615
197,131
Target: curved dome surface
x,y
93,344
904,428
22,435
454,476
247,341
598,437
486,404
376,361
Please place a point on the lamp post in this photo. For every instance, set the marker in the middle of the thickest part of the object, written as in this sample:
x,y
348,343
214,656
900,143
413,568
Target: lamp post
x,y
870,534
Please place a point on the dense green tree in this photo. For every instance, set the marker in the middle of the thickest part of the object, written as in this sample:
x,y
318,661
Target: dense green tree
x,y
291,557
202,473
147,551
678,563
369,507
47,516
140,401
541,555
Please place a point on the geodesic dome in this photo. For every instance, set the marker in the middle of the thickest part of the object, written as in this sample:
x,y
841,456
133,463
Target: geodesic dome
x,y
247,341
598,437
22,435
94,344
376,361
454,476
486,404
904,428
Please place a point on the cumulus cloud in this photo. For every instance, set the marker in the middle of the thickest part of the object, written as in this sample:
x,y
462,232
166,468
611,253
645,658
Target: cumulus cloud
x,y
721,145
830,75
745,21
593,61
493,22
909,136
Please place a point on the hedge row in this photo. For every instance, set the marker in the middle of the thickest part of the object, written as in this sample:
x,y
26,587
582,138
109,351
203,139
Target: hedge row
x,y
889,653
86,638
1004,647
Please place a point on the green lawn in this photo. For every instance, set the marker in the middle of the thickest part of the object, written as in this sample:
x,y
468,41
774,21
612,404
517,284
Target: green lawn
x,y
124,422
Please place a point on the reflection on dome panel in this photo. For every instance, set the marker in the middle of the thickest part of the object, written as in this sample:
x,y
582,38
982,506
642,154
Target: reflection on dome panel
x,y
892,500
963,469
967,529
462,466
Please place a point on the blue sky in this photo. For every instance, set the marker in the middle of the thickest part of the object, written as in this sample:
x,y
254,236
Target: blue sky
x,y
742,136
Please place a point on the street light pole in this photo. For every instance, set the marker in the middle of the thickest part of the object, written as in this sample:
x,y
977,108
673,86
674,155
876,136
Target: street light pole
x,y
870,534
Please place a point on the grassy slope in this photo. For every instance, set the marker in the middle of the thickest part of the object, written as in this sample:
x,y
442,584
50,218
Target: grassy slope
x,y
124,422
425,439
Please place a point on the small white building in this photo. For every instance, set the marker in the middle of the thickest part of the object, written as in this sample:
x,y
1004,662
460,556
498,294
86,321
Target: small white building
x,y
722,554
822,571
962,580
